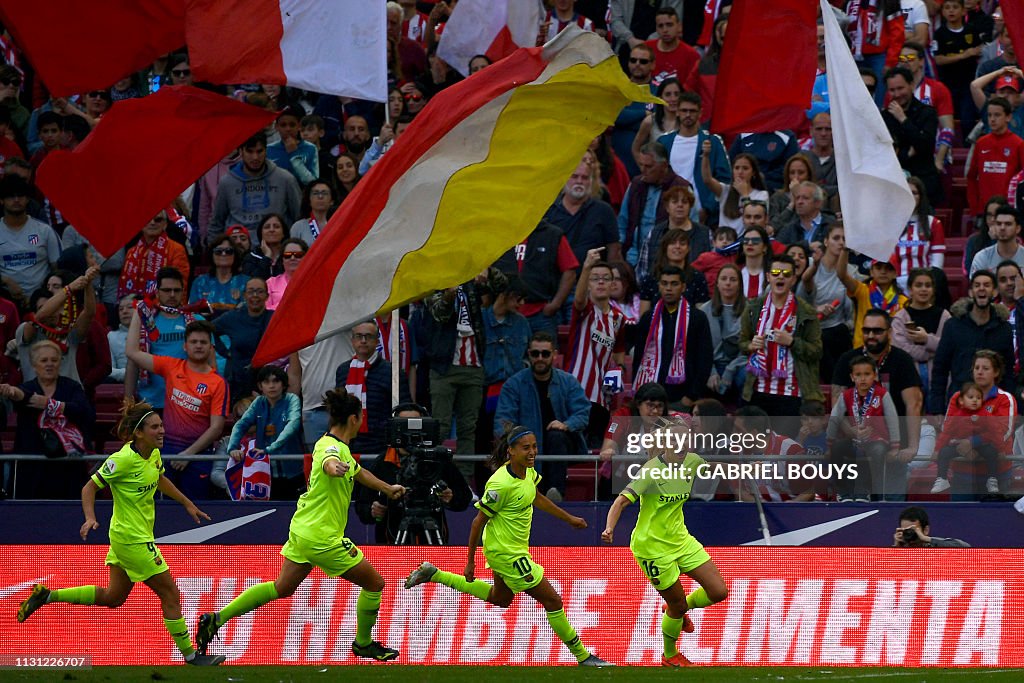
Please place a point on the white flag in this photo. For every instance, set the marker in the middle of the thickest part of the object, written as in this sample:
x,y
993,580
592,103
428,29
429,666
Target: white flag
x,y
873,190
488,27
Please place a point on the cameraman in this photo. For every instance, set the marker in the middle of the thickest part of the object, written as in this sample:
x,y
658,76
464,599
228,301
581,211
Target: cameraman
x,y
386,516
913,532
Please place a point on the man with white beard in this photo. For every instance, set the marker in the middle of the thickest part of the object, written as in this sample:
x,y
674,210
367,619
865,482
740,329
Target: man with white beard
x,y
588,223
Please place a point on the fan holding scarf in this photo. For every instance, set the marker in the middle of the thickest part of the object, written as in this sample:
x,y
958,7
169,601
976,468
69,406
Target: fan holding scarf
x,y
673,346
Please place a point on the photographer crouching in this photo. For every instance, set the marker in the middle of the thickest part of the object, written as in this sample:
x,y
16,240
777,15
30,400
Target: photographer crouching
x,y
415,459
914,529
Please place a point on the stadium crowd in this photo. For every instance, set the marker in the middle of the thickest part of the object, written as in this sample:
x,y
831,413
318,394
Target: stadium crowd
x,y
675,272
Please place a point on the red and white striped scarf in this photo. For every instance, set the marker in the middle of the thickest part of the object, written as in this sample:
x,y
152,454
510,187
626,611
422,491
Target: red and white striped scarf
x,y
53,418
650,365
355,383
772,360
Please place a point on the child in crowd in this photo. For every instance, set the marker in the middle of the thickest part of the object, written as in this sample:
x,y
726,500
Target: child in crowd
x,y
312,131
725,249
880,291
960,425
863,427
293,153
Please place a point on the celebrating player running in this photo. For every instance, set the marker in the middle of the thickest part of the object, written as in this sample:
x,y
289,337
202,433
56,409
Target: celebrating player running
x,y
662,545
316,537
504,521
134,474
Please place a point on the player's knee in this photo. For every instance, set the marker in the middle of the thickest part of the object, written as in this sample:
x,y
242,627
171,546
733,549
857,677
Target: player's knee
x,y
171,597
553,604
718,593
502,601
676,603
283,590
115,601
375,585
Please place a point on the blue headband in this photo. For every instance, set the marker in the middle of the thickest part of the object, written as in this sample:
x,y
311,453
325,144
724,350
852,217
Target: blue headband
x,y
518,436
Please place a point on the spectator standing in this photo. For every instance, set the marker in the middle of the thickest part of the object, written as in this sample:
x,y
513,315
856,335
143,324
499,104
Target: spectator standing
x,y
252,188
822,155
195,403
914,127
807,224
152,253
116,338
771,150
923,242
724,312
918,326
545,264
29,249
783,337
958,46
244,327
673,250
1005,230
822,287
640,65
64,318
292,153
976,323
253,264
224,285
686,155
747,184
507,335
932,93
292,252
367,376
671,343
678,203
317,201
672,57
996,158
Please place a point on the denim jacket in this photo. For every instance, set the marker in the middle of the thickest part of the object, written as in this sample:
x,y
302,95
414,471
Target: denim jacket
x,y
506,345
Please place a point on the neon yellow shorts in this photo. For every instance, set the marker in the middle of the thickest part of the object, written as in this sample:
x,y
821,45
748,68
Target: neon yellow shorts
x,y
334,560
520,573
664,571
140,561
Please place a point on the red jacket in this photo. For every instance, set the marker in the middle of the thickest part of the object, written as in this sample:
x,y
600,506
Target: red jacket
x,y
995,160
992,424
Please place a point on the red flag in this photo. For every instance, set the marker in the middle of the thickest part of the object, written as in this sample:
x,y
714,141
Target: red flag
x,y
767,69
1013,17
143,153
78,46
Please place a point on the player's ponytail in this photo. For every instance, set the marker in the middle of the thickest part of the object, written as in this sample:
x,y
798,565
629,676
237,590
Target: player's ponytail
x,y
499,456
341,405
133,414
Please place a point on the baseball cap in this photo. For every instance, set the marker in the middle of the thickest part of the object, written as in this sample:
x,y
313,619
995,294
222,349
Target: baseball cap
x,y
1008,81
236,229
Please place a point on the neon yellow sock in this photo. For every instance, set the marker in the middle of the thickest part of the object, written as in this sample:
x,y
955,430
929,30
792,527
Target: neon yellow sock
x,y
367,607
251,598
698,598
567,634
670,630
79,595
179,632
476,588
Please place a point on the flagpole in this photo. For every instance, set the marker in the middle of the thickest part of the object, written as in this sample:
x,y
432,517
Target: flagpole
x,y
394,339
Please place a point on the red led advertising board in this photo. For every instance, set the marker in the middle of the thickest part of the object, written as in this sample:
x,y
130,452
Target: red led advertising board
x,y
787,606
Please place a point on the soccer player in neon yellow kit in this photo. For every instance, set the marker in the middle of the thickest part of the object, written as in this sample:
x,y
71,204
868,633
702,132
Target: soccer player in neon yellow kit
x,y
134,474
664,548
316,536
503,521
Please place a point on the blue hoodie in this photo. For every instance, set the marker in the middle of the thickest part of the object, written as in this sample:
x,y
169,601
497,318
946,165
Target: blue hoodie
x,y
246,199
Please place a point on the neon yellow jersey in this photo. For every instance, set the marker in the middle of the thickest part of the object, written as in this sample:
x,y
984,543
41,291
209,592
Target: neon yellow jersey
x,y
322,512
508,502
133,483
660,530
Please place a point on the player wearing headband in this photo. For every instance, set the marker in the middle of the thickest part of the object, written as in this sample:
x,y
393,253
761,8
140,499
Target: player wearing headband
x,y
503,522
134,474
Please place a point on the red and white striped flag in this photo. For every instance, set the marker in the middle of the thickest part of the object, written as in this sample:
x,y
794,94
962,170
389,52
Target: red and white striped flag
x,y
337,47
495,28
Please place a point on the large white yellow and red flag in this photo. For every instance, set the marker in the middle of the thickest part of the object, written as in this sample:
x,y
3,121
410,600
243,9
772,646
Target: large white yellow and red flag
x,y
472,176
495,28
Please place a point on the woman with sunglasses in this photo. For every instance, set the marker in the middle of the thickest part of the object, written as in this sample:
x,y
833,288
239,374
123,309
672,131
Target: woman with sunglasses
x,y
222,287
179,71
292,252
752,260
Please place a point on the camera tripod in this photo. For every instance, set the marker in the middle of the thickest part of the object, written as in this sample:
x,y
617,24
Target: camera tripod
x,y
415,521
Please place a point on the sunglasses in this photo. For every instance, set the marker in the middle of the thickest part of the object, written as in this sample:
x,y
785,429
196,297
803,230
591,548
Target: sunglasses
x,y
873,331
908,58
538,353
292,255
753,240
224,251
181,73
636,60
97,93
780,271
11,81
413,98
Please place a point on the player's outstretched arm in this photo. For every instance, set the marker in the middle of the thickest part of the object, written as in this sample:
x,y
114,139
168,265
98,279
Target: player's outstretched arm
x,y
543,503
370,481
167,487
89,508
614,512
476,532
